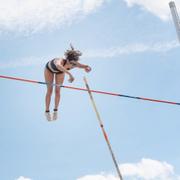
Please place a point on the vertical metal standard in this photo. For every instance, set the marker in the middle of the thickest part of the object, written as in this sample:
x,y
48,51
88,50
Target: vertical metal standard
x,y
175,17
103,130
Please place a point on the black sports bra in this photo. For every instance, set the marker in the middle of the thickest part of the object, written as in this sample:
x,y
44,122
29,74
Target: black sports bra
x,y
51,66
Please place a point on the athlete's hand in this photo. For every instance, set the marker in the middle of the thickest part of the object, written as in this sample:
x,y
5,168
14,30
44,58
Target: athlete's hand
x,y
87,69
71,79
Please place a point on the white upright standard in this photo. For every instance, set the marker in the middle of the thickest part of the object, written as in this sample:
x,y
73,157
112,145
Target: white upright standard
x,y
175,17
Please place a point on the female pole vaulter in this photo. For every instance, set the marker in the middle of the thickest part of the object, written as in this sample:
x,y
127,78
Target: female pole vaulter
x,y
56,69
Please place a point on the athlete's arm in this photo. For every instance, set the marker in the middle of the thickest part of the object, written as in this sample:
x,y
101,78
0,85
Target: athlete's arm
x,y
83,66
61,68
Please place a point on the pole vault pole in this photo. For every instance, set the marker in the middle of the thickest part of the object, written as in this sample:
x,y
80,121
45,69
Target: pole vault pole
x,y
93,91
102,128
175,17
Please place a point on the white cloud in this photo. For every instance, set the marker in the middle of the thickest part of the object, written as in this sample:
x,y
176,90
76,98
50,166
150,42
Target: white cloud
x,y
132,49
23,178
99,177
159,8
34,15
146,169
91,5
149,169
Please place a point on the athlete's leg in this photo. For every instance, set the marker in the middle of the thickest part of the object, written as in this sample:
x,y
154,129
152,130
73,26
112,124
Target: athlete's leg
x,y
59,79
49,77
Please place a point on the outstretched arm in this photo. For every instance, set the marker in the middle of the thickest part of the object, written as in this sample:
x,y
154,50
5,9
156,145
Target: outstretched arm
x,y
82,66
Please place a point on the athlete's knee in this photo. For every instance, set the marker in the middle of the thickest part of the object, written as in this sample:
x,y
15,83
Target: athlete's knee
x,y
49,91
57,91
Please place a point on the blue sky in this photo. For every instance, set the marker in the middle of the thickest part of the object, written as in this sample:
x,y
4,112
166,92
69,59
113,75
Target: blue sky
x,y
132,48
